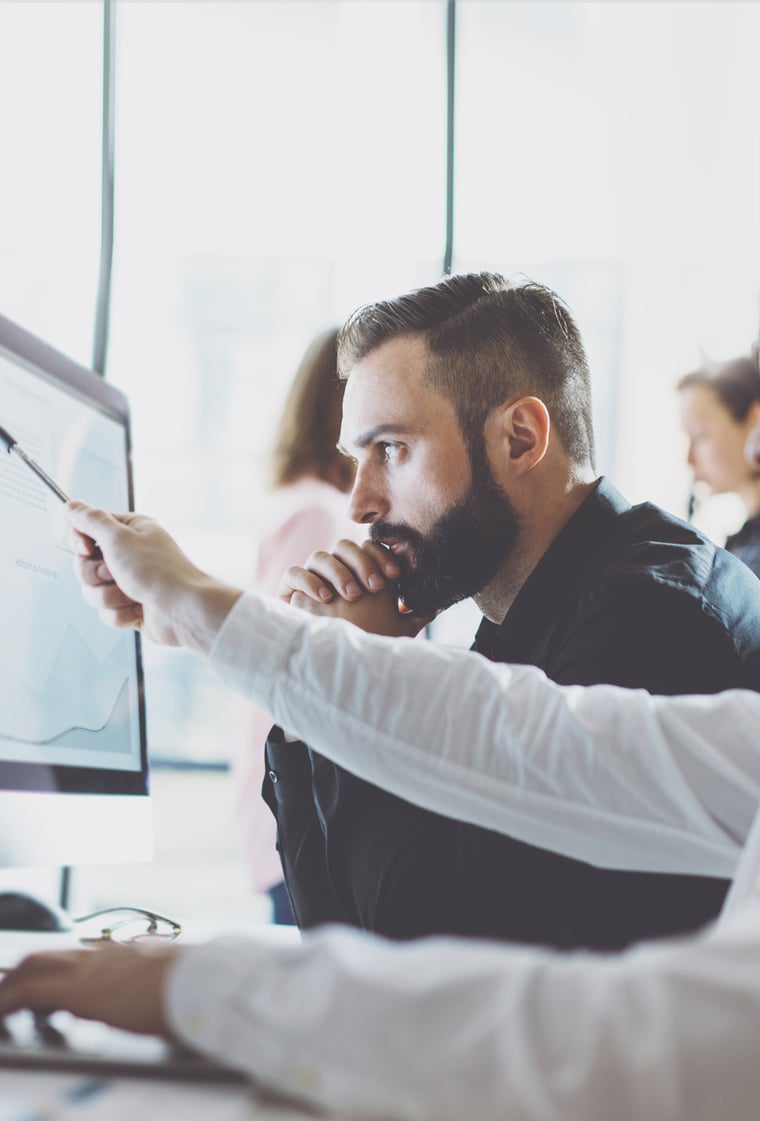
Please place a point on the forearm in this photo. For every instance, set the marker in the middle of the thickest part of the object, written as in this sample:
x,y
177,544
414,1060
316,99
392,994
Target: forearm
x,y
603,774
198,609
438,1030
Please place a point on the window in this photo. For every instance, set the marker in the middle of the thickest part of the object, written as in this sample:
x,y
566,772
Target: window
x,y
50,186
611,151
277,164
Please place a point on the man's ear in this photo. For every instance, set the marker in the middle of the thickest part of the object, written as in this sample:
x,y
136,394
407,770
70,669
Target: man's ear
x,y
521,431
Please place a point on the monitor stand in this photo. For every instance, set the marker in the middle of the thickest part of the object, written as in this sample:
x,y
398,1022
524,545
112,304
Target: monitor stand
x,y
21,911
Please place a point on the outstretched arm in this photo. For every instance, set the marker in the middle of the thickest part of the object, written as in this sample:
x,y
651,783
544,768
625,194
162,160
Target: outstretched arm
x,y
612,776
615,777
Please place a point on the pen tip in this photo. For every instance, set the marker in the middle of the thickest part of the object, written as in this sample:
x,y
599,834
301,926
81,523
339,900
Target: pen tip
x,y
6,440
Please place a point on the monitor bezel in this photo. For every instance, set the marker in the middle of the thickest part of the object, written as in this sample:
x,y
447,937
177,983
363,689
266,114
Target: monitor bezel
x,y
42,778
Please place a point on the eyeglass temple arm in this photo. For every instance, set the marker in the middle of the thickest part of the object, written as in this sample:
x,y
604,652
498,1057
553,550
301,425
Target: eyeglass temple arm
x,y
153,918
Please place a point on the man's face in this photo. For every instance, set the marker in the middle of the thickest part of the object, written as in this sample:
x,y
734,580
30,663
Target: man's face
x,y
752,446
439,510
716,440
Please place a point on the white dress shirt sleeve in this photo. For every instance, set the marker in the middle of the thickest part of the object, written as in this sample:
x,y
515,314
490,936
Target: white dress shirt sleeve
x,y
441,1030
611,776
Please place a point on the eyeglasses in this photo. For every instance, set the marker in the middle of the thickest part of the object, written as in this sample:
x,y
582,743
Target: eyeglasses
x,y
155,927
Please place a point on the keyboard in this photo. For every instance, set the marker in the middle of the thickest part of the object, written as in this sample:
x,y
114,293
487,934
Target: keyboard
x,y
64,1043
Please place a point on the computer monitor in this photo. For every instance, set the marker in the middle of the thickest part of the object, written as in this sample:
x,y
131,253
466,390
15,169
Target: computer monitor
x,y
73,756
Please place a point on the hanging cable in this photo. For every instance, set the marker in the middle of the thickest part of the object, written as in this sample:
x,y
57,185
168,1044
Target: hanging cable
x,y
448,252
103,304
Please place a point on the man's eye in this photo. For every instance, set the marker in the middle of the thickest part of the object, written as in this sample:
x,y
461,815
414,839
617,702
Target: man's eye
x,y
388,451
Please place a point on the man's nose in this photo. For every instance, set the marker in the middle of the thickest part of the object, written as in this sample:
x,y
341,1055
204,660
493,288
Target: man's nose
x,y
367,503
690,459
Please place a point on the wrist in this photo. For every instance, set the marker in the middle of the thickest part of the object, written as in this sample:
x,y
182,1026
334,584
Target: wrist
x,y
199,607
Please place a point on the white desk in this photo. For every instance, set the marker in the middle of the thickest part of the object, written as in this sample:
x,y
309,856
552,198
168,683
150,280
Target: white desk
x,y
14,945
75,1097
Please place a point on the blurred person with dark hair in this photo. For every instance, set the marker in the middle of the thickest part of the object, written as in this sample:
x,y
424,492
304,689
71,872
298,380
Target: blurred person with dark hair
x,y
720,407
307,510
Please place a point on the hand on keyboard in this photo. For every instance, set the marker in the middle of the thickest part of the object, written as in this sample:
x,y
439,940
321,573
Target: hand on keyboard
x,y
120,985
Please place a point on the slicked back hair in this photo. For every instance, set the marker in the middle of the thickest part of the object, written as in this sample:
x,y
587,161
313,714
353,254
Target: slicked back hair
x,y
489,340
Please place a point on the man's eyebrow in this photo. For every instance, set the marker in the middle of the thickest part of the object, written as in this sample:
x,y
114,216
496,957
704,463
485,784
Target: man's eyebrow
x,y
371,434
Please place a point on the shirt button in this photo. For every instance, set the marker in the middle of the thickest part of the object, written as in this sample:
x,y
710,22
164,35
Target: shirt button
x,y
273,776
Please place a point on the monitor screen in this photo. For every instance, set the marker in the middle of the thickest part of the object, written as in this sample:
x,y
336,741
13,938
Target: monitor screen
x,y
73,761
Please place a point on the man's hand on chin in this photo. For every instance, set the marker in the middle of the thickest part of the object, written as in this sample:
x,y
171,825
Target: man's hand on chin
x,y
378,613
353,582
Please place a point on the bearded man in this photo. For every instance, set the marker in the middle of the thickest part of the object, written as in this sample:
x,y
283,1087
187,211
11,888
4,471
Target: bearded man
x,y
467,410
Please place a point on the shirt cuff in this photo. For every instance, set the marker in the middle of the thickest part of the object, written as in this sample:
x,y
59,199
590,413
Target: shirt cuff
x,y
202,999
253,643
225,1000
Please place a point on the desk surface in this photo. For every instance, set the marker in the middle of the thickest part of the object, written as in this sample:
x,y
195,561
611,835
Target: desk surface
x,y
16,944
72,1097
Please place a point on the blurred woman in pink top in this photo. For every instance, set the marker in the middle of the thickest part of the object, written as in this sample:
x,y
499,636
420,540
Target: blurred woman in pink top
x,y
308,510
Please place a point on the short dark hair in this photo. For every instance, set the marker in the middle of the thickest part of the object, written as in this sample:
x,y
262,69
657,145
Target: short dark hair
x,y
489,339
736,384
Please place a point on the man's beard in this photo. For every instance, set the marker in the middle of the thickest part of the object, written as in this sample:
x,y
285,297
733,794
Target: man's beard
x,y
463,551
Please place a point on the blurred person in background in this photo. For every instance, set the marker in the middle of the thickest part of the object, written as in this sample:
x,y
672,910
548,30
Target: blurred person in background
x,y
720,406
307,510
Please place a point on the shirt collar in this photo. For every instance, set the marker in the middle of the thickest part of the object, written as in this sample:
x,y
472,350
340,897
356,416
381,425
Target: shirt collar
x,y
550,586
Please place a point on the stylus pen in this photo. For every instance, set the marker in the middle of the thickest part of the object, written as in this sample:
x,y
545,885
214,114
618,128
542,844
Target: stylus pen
x,y
11,445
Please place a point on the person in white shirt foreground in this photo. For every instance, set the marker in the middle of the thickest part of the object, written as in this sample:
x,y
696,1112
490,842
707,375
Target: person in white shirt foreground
x,y
441,1028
